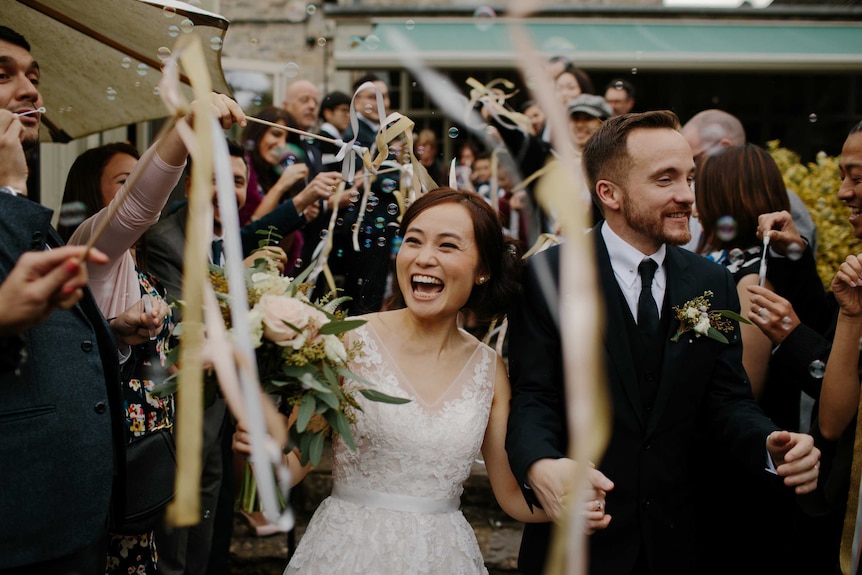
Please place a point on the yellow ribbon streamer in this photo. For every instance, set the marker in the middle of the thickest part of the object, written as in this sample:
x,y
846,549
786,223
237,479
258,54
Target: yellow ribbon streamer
x,y
184,510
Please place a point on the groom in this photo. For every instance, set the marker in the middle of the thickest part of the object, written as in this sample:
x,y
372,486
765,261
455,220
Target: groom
x,y
666,397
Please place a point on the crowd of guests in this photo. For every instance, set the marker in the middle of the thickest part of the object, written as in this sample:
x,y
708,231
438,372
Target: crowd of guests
x,y
726,454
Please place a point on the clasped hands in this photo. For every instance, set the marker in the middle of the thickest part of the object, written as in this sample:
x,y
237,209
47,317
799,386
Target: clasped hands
x,y
550,480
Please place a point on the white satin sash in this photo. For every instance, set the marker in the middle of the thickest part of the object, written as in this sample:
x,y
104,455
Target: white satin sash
x,y
394,501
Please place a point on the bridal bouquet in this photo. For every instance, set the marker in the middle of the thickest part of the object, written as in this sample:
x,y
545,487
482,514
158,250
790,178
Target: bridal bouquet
x,y
301,352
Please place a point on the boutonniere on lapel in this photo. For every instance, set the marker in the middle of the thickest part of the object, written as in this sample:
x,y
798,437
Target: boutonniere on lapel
x,y
696,316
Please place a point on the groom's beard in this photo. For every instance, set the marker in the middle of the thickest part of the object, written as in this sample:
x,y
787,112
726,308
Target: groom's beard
x,y
653,224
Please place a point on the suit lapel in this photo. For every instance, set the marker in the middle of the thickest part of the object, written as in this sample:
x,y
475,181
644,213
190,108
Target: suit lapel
x,y
616,340
680,288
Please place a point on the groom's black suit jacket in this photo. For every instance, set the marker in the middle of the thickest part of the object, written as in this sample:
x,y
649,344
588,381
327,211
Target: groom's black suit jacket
x,y
702,390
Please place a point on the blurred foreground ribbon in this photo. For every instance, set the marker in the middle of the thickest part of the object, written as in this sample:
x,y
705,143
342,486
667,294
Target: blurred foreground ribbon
x,y
236,366
587,405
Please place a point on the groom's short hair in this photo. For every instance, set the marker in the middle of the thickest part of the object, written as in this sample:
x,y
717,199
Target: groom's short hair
x,y
13,37
606,154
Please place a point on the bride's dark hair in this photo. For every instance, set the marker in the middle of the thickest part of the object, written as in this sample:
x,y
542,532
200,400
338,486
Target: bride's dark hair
x,y
499,255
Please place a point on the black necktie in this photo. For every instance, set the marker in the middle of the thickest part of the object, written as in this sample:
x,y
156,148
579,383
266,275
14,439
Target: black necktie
x,y
648,321
217,252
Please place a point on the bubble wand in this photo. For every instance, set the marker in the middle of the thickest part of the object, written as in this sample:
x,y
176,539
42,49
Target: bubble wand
x,y
761,275
29,112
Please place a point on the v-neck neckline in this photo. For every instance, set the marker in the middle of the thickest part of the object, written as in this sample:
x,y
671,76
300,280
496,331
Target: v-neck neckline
x,y
404,381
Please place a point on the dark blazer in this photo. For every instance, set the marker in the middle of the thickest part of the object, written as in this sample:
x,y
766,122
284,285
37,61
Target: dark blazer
x,y
366,135
61,421
165,242
651,456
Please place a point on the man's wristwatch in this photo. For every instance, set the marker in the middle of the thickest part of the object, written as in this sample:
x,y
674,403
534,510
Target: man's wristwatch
x,y
11,190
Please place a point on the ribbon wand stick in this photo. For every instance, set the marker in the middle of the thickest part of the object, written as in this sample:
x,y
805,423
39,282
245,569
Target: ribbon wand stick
x,y
761,274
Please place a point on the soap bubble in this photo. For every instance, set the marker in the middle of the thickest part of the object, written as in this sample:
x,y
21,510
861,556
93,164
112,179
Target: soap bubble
x,y
794,251
725,228
817,369
484,17
736,256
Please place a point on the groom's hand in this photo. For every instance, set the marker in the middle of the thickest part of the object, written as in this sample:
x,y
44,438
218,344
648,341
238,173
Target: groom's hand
x,y
796,459
551,479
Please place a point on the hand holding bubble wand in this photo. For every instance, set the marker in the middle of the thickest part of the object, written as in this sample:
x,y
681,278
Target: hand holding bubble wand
x,y
147,308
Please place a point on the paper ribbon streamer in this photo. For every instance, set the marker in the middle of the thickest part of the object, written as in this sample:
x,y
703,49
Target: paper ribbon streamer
x,y
391,128
366,193
323,249
589,419
494,100
184,510
453,175
246,364
209,150
347,150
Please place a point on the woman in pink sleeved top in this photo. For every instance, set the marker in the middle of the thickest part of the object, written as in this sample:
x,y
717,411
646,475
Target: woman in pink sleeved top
x,y
94,180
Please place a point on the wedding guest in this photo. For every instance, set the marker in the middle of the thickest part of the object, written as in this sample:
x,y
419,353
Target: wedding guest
x,y
745,181
480,174
187,550
534,112
59,368
278,171
733,189
839,400
710,131
428,152
302,102
801,357
665,395
620,96
571,82
465,155
394,505
335,114
94,179
367,111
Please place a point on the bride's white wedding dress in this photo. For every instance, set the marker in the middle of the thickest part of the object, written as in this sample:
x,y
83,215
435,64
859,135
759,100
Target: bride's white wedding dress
x,y
394,508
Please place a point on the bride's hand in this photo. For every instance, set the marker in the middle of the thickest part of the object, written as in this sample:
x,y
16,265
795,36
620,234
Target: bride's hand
x,y
241,442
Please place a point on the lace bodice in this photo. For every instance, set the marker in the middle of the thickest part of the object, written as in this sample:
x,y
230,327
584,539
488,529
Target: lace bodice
x,y
383,517
416,449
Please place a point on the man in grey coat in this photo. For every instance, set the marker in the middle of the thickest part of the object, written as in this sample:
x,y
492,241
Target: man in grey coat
x,y
61,421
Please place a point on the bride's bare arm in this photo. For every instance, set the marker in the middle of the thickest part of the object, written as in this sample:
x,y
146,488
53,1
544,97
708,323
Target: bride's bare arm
x,y
503,482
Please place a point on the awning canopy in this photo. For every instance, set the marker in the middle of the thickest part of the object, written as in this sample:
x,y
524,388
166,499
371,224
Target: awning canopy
x,y
455,43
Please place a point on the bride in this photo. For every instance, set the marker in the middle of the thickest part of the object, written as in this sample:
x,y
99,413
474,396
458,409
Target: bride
x,y
394,507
